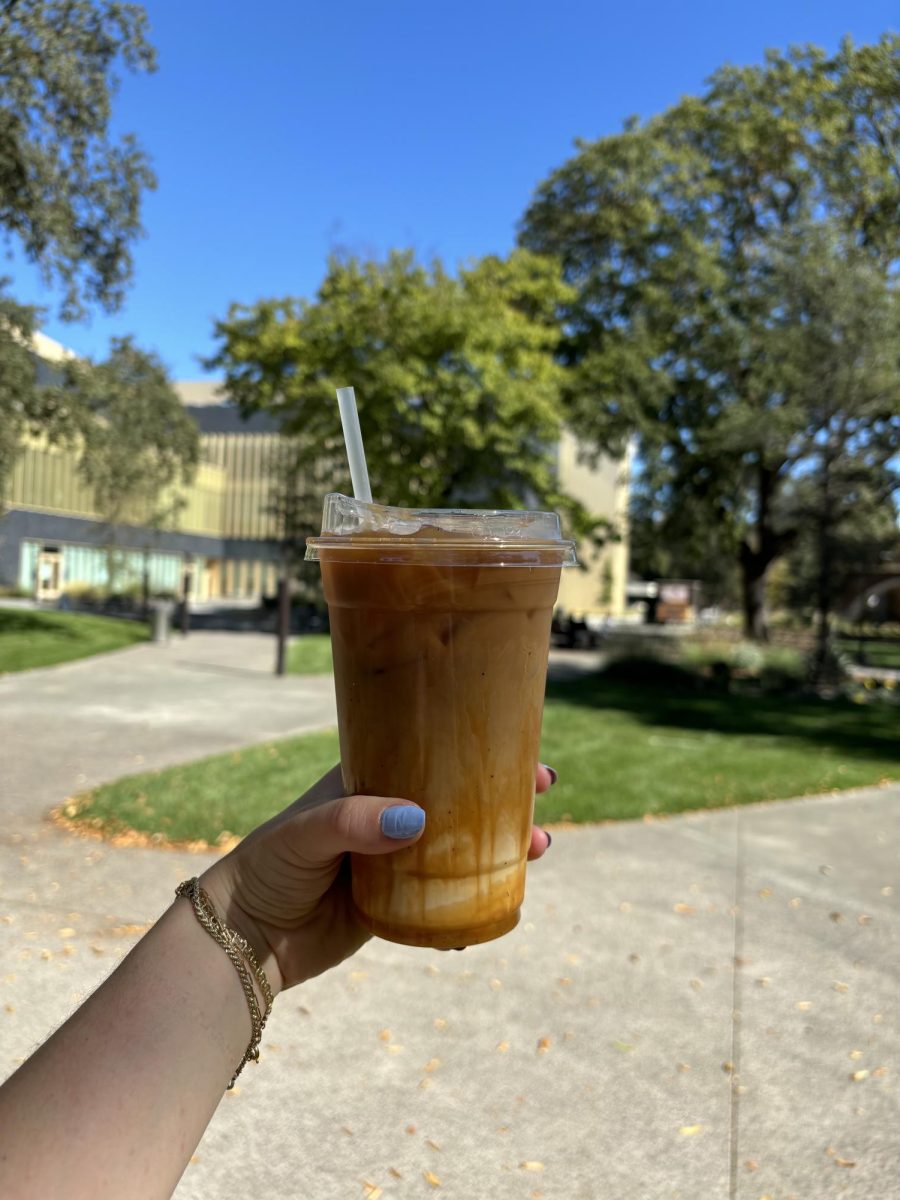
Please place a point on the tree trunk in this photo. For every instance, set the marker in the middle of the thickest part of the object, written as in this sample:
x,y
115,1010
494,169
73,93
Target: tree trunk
x,y
757,556
824,663
756,621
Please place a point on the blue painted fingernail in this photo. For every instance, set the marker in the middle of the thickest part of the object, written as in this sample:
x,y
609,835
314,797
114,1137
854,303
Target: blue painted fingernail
x,y
553,775
402,821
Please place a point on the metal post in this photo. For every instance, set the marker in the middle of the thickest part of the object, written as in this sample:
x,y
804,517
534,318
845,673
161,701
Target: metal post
x,y
283,627
185,602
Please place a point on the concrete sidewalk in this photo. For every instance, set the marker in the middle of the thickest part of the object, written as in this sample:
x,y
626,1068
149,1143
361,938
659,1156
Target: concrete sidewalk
x,y
679,1016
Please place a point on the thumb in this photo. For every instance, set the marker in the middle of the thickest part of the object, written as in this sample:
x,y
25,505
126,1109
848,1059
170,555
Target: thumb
x,y
361,824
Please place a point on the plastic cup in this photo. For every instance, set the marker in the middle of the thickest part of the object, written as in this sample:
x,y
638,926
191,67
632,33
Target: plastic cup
x,y
440,628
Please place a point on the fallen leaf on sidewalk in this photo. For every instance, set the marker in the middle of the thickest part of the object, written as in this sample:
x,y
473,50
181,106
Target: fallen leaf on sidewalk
x,y
430,1177
844,1162
690,1130
544,1045
531,1165
683,910
859,1076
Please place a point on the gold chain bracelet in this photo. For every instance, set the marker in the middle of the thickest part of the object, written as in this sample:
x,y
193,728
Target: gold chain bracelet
x,y
238,949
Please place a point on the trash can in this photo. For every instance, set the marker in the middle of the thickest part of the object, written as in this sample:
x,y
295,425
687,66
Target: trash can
x,y
160,619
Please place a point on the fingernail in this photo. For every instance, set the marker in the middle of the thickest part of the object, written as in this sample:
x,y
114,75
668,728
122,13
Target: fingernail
x,y
553,775
402,821
549,839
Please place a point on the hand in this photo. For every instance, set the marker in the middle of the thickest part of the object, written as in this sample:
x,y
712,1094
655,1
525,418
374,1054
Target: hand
x,y
286,887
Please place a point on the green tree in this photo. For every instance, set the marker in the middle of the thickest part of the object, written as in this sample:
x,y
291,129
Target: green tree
x,y
838,342
27,409
459,391
671,234
69,191
137,442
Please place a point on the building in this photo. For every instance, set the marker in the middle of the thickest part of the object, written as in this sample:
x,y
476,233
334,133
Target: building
x,y
52,541
597,587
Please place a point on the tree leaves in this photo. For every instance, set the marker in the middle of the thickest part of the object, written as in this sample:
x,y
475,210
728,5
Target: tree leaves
x,y
69,192
458,388
684,238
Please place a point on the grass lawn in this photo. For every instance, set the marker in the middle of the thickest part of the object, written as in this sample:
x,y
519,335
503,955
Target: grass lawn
x,y
621,751
310,654
29,638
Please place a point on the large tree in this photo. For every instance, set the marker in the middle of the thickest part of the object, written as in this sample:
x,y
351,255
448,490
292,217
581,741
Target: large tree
x,y
837,342
69,190
459,391
671,232
137,443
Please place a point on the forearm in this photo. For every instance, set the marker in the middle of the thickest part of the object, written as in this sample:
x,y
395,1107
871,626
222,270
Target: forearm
x,y
115,1102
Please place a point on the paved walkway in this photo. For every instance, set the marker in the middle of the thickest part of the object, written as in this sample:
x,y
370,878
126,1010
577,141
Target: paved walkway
x,y
692,1009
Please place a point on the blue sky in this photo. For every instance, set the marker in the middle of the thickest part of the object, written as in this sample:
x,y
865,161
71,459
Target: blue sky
x,y
283,130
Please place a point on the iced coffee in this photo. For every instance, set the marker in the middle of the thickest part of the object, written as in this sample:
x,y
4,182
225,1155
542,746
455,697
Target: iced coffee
x,y
440,627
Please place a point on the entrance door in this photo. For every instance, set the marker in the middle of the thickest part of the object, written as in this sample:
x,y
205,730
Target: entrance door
x,y
48,584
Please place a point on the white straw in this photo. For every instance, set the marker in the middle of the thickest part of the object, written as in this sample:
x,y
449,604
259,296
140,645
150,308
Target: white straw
x,y
359,473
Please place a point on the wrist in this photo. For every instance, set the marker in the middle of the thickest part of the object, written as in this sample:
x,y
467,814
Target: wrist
x,y
218,886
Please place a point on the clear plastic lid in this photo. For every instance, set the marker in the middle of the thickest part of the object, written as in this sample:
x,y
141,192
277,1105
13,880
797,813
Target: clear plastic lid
x,y
350,525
